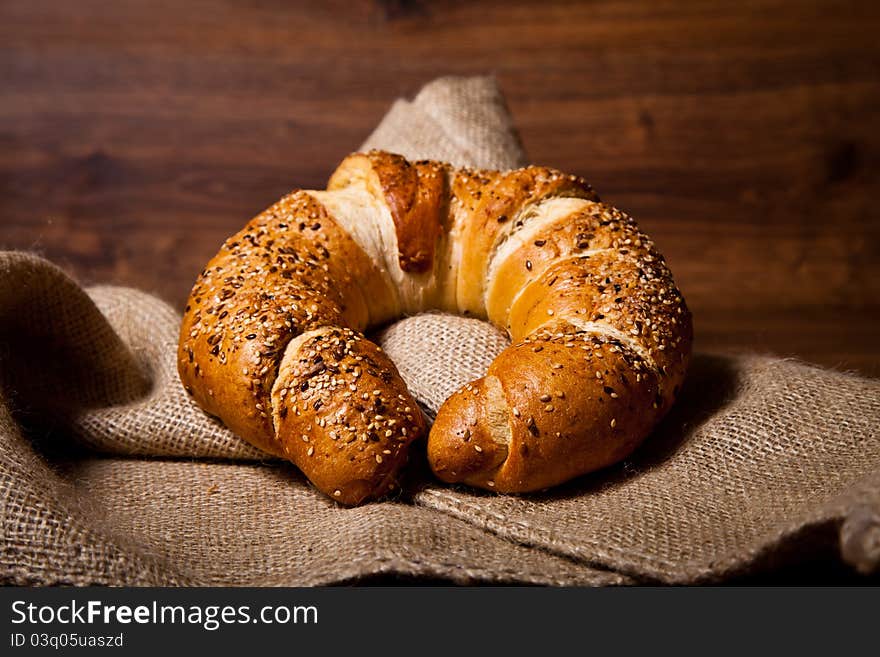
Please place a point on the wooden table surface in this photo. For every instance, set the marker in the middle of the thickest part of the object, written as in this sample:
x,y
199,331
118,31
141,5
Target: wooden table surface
x,y
744,136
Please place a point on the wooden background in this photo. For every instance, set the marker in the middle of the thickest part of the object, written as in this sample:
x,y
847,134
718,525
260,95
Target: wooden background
x,y
744,136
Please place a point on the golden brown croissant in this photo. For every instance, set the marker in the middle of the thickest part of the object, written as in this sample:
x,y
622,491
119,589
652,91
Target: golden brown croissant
x,y
272,342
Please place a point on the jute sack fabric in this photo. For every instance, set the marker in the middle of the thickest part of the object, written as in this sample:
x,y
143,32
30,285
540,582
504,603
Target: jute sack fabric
x,y
110,475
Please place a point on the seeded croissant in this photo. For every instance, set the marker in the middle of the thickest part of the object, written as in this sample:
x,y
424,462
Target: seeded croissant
x,y
272,337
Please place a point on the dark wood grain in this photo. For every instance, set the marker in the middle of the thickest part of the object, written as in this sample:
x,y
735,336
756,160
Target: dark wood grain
x,y
744,136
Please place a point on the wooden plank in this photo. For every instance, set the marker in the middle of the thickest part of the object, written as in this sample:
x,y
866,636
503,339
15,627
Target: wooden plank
x,y
135,136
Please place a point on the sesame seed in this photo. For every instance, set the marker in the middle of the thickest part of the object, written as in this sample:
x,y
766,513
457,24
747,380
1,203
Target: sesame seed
x,y
311,450
613,423
478,448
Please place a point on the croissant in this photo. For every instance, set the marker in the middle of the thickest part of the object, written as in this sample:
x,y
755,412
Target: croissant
x,y
272,337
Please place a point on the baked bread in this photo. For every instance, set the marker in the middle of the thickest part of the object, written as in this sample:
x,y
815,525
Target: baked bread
x,y
272,337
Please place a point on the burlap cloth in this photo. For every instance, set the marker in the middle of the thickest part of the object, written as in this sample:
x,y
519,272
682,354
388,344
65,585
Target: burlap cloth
x,y
109,474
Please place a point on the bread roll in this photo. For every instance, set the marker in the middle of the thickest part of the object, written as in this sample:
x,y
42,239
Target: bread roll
x,y
272,337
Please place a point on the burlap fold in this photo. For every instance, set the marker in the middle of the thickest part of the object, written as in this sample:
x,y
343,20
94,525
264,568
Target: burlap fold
x,y
109,473
459,120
